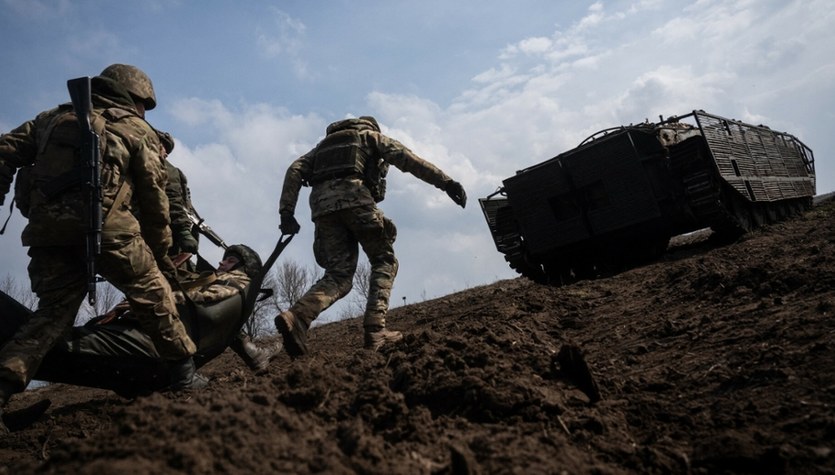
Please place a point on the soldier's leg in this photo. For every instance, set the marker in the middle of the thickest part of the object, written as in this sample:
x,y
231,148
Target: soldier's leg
x,y
58,277
337,252
128,264
377,234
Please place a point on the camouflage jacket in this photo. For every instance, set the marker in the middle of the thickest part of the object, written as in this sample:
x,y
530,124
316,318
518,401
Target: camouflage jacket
x,y
343,193
224,286
130,155
179,202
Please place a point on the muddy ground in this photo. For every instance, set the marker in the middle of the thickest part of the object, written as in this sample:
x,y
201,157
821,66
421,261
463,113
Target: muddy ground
x,y
719,359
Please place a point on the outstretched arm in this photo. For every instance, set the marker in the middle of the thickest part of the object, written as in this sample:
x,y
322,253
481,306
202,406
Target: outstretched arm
x,y
17,149
407,161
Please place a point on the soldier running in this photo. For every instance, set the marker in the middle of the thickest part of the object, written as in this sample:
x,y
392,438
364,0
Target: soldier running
x,y
346,171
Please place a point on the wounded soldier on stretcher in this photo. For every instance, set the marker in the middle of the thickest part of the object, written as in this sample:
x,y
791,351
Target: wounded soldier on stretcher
x,y
113,352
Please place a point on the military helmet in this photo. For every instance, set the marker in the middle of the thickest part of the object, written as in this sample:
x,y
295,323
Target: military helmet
x,y
372,121
357,123
134,80
248,259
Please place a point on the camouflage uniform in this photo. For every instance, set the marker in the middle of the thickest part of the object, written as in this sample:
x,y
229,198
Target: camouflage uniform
x,y
131,247
346,216
223,284
229,282
180,205
183,234
220,286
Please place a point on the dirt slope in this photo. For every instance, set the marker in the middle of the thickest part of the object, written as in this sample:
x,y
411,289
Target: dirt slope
x,y
716,360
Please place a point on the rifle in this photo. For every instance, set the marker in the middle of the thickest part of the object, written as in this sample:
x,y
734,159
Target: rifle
x,y
80,95
205,229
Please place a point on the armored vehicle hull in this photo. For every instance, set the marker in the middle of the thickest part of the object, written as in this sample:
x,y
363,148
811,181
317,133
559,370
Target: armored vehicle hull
x,y
616,200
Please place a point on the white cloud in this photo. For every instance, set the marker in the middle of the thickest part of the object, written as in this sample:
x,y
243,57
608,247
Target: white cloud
x,y
594,17
284,37
236,177
534,46
97,44
195,112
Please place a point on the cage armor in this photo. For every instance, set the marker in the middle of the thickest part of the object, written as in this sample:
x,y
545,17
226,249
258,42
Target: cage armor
x,y
344,153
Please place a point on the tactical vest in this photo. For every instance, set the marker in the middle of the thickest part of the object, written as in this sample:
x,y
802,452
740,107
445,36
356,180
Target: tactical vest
x,y
341,154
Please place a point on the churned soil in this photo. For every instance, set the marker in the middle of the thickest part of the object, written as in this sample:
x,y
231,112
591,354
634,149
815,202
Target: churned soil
x,y
716,359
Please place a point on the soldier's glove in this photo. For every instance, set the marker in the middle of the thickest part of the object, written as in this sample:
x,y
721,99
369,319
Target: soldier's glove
x,y
456,192
186,242
289,225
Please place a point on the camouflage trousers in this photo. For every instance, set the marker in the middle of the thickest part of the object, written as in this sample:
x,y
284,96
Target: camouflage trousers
x,y
338,237
58,276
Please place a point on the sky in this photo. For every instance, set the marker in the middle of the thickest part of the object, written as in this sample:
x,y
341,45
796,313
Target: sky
x,y
480,88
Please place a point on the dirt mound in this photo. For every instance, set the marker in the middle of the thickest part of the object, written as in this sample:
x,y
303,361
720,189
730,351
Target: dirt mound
x,y
716,360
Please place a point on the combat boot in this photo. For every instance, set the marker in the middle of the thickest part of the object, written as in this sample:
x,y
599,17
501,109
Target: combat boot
x,y
184,376
294,333
256,357
376,338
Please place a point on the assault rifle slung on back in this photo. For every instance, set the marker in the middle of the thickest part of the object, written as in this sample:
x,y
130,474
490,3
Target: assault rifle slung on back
x,y
80,94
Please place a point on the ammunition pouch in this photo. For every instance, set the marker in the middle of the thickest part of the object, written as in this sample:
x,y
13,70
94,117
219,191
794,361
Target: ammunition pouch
x,y
375,178
339,155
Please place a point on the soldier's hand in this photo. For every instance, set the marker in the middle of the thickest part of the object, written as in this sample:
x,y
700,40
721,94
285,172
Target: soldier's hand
x,y
456,192
289,225
187,242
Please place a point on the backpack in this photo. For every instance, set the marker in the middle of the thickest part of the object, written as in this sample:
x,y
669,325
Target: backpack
x,y
58,167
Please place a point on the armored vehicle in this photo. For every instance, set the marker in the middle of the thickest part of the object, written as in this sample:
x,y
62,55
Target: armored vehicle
x,y
615,200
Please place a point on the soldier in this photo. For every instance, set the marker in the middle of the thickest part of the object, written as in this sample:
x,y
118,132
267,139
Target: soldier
x,y
185,240
135,231
179,203
112,351
346,171
237,267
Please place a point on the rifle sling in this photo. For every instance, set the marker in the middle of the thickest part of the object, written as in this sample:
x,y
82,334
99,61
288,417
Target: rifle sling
x,y
11,210
117,201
